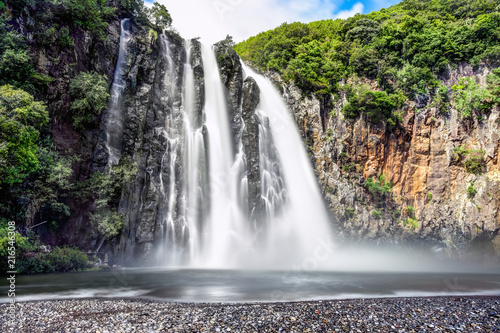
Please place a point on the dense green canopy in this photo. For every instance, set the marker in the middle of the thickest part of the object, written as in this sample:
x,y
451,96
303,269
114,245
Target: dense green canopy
x,y
404,47
20,119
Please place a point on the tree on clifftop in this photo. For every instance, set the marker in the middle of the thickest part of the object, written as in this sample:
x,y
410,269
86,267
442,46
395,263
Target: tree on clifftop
x,y
159,16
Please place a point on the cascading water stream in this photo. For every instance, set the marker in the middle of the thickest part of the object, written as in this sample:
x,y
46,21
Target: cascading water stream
x,y
194,158
114,116
298,221
208,221
226,234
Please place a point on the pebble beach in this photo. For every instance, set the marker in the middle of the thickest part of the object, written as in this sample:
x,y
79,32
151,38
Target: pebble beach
x,y
435,314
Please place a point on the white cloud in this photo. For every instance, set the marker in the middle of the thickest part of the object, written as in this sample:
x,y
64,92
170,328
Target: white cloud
x,y
214,19
356,9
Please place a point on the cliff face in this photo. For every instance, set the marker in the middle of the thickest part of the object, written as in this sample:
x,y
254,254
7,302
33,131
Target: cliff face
x,y
433,197
86,53
149,115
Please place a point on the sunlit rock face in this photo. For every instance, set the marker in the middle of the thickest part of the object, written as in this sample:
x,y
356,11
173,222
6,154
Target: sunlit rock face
x,y
419,160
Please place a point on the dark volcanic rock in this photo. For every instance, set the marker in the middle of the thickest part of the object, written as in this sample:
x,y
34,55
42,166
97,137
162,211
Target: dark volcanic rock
x,y
199,82
152,117
250,140
231,73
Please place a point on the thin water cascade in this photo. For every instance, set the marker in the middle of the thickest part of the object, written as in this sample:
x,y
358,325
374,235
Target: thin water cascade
x,y
114,116
194,157
174,223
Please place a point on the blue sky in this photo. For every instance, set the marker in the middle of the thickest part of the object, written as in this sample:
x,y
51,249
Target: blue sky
x,y
212,20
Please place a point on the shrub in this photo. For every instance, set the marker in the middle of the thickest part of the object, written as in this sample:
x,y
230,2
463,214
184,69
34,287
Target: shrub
x,y
376,214
410,211
329,189
153,35
61,259
379,188
470,97
349,167
329,134
413,223
29,261
159,16
473,160
471,191
475,164
22,245
89,93
108,223
442,98
108,188
90,15
493,81
377,105
349,212
66,259
48,36
65,40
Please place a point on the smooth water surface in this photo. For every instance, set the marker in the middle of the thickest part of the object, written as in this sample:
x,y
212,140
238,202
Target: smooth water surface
x,y
189,285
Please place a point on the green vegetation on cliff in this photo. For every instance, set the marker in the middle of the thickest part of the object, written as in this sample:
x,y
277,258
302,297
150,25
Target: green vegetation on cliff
x,y
55,65
89,92
20,120
404,48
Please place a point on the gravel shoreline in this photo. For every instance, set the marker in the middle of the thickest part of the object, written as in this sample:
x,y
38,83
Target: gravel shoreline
x,y
434,314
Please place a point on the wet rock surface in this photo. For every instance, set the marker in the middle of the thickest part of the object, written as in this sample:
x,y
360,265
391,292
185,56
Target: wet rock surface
x,y
199,82
152,113
440,314
231,73
250,140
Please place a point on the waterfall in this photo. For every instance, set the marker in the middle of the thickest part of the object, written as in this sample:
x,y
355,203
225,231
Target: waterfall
x,y
303,222
114,117
228,201
226,234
